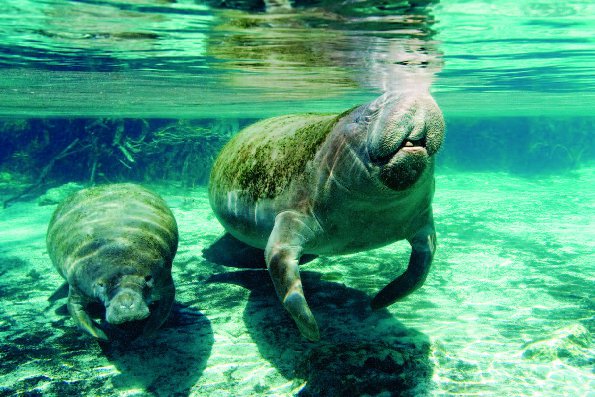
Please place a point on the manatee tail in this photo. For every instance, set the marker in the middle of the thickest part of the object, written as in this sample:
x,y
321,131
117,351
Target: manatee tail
x,y
420,262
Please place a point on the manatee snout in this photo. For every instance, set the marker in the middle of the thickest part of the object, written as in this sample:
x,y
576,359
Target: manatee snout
x,y
403,133
125,306
399,122
128,299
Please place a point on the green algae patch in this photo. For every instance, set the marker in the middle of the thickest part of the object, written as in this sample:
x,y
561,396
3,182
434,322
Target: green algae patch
x,y
262,160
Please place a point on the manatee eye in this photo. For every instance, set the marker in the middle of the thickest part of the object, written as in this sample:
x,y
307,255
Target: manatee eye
x,y
101,286
362,119
149,280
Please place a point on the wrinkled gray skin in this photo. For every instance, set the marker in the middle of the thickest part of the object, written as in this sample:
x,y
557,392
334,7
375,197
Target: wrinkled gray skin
x,y
369,183
114,245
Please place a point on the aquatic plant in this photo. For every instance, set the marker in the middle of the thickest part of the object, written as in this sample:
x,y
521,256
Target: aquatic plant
x,y
184,151
521,145
37,154
50,152
555,146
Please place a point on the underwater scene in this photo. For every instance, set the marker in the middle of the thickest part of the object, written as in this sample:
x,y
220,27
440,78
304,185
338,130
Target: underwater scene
x,y
297,198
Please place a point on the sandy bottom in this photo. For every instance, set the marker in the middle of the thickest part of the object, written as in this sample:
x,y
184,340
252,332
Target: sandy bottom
x,y
507,309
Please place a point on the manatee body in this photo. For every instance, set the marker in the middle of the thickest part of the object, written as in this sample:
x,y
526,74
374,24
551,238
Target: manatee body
x,y
114,245
333,184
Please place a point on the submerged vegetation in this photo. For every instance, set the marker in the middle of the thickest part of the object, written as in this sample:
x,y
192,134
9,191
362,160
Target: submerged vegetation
x,y
37,154
40,153
520,145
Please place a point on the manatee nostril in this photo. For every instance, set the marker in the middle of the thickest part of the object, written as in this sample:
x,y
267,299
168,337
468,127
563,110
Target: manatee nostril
x,y
125,307
126,302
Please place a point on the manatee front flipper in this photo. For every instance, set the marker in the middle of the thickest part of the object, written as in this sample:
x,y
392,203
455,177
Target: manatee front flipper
x,y
77,307
423,246
61,292
161,309
292,231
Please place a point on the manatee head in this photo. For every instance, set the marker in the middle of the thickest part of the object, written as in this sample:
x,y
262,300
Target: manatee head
x,y
403,132
126,295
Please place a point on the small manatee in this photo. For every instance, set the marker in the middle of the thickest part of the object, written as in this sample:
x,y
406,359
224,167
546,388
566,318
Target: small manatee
x,y
114,245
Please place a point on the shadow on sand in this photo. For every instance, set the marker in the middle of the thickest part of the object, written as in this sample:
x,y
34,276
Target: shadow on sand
x,y
229,251
169,363
360,352
42,352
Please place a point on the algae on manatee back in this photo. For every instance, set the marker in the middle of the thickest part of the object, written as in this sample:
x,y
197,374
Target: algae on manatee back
x,y
262,162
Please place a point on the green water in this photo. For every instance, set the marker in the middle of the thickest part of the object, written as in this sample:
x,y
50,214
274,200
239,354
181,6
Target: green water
x,y
154,59
507,309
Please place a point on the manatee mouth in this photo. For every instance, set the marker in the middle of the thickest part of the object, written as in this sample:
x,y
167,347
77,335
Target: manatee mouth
x,y
127,330
413,144
400,169
407,146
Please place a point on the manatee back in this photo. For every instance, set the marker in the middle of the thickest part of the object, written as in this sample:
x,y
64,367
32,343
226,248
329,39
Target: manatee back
x,y
117,224
262,160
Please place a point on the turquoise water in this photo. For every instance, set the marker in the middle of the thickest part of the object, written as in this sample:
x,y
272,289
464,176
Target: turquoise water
x,y
507,309
181,59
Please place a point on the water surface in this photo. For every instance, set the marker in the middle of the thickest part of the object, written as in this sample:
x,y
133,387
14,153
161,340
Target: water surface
x,y
183,59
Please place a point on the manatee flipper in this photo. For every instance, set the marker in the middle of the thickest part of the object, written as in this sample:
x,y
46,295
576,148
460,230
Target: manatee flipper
x,y
77,308
423,246
283,251
61,292
160,312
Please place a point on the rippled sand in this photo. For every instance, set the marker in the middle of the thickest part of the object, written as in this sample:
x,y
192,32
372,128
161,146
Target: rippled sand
x,y
507,309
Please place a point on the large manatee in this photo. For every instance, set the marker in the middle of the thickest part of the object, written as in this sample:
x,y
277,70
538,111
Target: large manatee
x,y
114,245
333,184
